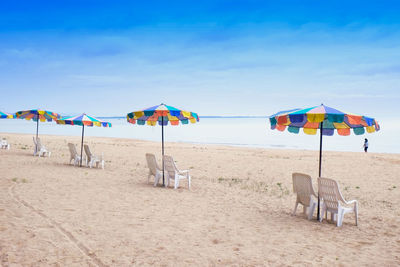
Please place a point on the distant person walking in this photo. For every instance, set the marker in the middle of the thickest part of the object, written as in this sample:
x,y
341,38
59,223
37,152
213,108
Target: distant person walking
x,y
366,145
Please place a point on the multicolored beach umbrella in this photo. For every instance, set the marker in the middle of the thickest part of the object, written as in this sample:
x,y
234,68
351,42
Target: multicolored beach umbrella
x,y
322,117
4,115
326,119
37,115
83,120
161,115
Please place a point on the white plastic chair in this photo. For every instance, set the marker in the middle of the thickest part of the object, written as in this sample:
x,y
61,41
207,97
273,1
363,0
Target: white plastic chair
x,y
154,169
172,172
40,150
74,154
302,186
333,201
93,159
4,144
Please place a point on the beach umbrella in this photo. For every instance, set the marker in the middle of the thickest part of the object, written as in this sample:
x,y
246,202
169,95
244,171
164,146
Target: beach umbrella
x,y
324,118
83,120
4,115
37,115
161,115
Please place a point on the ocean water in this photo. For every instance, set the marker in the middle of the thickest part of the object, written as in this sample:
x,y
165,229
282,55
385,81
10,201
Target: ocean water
x,y
247,132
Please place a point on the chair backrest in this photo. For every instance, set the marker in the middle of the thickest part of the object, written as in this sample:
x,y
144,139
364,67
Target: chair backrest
x,y
169,166
302,186
152,163
72,149
4,142
329,191
88,153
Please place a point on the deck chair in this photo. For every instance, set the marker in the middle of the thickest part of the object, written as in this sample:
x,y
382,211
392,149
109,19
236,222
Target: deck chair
x,y
333,201
92,159
172,172
74,154
4,144
302,186
40,150
154,169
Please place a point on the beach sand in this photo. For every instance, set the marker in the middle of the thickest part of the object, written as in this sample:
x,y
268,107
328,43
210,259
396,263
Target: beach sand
x,y
238,211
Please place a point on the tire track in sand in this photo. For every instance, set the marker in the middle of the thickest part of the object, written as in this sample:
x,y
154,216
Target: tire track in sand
x,y
85,250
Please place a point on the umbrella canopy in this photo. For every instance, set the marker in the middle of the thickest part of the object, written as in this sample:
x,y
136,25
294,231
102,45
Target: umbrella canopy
x,y
162,114
83,120
323,117
37,115
4,115
326,119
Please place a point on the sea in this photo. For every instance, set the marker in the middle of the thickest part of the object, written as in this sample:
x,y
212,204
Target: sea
x,y
231,131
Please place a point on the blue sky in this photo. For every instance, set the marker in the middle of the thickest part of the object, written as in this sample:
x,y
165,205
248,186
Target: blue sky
x,y
211,57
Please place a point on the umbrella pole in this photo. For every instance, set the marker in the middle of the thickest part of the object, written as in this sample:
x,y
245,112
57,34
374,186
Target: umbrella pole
x,y
320,158
37,131
162,141
37,127
83,131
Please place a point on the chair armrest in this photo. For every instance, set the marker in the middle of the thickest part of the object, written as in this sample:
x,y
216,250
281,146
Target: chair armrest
x,y
350,202
183,171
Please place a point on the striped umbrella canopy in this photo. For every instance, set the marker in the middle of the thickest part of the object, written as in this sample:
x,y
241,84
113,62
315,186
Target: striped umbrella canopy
x,y
162,114
83,120
4,115
326,119
37,115
323,117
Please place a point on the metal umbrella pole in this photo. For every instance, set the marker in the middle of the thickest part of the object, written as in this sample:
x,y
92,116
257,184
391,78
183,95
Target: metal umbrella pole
x,y
37,132
37,126
83,131
162,141
320,158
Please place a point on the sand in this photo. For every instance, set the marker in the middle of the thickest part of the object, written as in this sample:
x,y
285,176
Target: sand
x,y
238,211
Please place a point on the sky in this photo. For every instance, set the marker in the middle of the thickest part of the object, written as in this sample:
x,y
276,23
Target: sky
x,y
108,58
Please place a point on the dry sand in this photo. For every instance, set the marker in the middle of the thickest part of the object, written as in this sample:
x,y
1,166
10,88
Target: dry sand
x,y
238,211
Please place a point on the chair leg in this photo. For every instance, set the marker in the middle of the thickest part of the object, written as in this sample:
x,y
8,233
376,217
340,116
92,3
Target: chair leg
x,y
189,180
156,178
322,213
176,182
295,208
166,181
340,215
356,212
311,210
